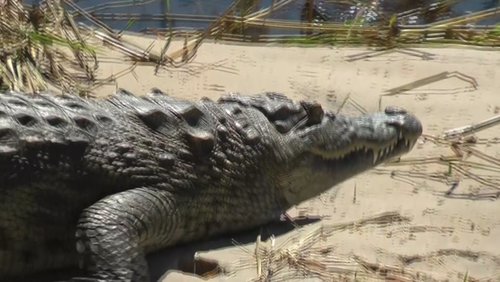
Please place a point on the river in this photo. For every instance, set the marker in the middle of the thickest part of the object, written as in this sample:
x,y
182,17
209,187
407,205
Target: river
x,y
149,15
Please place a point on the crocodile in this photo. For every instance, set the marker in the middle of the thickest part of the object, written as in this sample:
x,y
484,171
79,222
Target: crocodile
x,y
100,183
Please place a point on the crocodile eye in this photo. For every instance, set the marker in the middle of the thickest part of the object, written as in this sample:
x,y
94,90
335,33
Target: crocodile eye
x,y
315,112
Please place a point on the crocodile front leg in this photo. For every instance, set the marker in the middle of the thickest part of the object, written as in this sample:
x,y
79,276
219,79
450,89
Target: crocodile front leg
x,y
113,234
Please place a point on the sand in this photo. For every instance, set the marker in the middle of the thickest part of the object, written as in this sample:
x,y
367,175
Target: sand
x,y
407,227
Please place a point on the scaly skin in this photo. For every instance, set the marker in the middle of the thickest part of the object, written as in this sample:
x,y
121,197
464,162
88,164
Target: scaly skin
x,y
100,183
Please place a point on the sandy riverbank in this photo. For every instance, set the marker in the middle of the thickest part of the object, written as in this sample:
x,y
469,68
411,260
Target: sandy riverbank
x,y
421,230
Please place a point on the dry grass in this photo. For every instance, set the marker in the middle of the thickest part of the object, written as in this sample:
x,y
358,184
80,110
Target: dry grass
x,y
387,31
42,47
306,256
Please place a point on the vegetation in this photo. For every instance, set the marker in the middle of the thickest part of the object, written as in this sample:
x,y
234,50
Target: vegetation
x,y
248,20
42,47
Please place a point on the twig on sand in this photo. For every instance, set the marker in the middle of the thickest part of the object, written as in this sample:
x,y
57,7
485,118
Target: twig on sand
x,y
453,134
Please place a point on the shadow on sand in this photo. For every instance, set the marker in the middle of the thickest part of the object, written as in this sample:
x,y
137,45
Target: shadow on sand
x,y
182,257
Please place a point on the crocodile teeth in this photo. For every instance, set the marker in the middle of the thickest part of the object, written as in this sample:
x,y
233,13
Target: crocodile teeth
x,y
375,156
412,143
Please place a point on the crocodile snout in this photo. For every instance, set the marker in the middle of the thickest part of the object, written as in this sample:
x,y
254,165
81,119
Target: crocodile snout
x,y
406,123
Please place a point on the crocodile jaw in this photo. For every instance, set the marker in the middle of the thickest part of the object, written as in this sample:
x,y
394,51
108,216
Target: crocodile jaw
x,y
343,147
366,153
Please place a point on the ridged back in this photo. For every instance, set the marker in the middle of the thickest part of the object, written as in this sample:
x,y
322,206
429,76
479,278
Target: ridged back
x,y
30,121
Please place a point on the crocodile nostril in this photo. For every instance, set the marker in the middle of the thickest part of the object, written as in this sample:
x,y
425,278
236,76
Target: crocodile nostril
x,y
393,110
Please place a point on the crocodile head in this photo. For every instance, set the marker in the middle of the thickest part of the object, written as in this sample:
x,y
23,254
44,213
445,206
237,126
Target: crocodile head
x,y
337,147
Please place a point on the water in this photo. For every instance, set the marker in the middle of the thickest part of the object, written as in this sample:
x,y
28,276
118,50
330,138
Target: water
x,y
323,10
